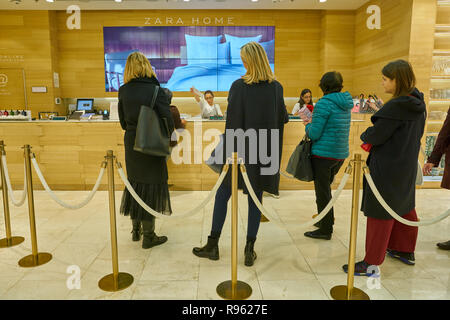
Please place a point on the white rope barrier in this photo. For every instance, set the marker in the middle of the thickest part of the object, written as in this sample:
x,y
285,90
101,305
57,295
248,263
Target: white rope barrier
x,y
163,216
272,216
395,215
8,183
59,201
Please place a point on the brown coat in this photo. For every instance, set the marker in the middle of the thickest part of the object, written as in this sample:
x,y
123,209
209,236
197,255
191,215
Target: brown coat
x,y
441,147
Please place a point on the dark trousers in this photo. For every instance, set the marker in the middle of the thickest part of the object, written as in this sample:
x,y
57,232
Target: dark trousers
x,y
220,211
324,172
389,234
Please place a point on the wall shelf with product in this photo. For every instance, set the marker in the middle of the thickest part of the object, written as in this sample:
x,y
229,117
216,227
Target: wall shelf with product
x,y
439,88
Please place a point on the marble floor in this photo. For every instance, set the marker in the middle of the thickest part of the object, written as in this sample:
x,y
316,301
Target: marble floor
x,y
289,266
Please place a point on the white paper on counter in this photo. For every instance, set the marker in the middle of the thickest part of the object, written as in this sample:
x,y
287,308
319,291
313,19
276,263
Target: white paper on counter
x,y
114,110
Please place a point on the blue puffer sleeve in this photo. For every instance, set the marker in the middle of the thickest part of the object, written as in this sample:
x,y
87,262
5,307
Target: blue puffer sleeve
x,y
320,116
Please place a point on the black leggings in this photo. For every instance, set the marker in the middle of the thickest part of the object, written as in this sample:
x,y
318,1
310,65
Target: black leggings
x,y
220,211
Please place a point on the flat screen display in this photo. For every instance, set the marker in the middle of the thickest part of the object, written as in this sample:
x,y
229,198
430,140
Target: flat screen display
x,y
85,104
207,58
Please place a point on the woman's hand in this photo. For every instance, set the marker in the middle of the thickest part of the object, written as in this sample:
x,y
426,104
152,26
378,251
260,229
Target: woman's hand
x,y
427,168
306,122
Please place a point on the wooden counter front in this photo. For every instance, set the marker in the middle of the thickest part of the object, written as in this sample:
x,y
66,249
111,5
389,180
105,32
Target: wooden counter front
x,y
70,153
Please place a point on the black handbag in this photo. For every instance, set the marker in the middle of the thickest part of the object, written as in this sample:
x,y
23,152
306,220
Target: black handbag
x,y
299,165
152,132
215,161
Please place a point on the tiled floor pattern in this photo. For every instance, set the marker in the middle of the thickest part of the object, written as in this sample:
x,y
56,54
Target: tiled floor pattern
x,y
289,266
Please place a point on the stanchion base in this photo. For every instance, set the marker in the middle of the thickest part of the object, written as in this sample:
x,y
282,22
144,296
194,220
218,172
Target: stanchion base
x,y
34,261
340,293
13,241
263,218
243,290
107,283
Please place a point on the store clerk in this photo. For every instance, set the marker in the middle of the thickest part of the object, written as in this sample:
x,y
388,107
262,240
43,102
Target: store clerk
x,y
206,103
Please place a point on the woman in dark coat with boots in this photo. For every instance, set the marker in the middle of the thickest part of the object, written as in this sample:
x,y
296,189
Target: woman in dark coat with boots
x,y
441,147
395,143
255,105
147,174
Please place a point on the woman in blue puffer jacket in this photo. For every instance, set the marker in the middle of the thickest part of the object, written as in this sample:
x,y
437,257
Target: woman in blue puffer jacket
x,y
329,131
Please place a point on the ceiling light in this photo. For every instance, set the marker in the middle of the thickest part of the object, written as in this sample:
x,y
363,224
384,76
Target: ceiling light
x,y
50,0
323,1
118,0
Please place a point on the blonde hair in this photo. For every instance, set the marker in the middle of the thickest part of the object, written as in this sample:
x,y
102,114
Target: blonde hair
x,y
258,67
137,66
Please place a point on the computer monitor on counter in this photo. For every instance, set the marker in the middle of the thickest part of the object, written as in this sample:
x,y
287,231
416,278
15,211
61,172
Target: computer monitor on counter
x,y
86,105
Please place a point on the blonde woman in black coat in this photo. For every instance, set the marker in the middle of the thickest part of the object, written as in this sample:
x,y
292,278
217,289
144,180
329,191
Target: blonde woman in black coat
x,y
255,104
147,174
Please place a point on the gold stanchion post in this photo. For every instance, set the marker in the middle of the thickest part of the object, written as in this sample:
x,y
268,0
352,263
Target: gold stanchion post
x,y
349,292
117,280
9,241
36,258
234,289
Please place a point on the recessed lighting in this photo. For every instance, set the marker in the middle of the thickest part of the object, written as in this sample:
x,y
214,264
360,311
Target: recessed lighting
x,y
255,0
323,0
50,0
118,0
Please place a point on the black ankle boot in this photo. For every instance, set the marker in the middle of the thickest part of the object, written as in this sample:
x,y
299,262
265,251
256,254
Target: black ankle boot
x,y
250,254
137,230
150,238
210,251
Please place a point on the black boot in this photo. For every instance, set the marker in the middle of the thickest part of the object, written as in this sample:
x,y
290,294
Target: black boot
x,y
210,251
250,254
150,238
137,230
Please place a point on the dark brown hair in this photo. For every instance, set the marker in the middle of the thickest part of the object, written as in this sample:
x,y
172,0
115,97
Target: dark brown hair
x,y
210,92
331,82
301,101
401,71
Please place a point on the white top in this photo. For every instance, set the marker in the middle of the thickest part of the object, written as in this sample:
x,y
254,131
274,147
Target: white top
x,y
297,108
207,110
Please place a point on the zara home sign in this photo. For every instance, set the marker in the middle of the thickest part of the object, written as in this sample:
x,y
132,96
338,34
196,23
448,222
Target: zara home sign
x,y
190,21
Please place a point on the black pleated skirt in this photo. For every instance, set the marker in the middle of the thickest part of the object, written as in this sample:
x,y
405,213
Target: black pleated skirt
x,y
156,196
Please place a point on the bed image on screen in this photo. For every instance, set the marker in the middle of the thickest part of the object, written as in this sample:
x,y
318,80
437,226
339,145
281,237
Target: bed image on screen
x,y
205,57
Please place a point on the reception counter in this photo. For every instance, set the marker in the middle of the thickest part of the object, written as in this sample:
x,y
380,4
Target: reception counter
x,y
70,153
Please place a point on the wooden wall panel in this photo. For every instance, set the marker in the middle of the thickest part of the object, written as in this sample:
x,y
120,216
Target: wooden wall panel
x,y
375,48
30,46
337,45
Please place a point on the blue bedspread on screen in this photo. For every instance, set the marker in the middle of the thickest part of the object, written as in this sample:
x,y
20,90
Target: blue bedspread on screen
x,y
214,77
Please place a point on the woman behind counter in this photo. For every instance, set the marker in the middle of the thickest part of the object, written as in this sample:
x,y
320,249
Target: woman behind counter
x,y
206,102
147,174
305,99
